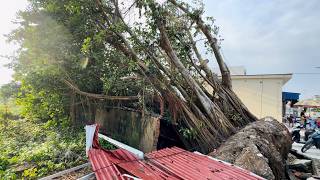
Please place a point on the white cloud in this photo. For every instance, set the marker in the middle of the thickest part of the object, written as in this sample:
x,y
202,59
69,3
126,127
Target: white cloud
x,y
272,37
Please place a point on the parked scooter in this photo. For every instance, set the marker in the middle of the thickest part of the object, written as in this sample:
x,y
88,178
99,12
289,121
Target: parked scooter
x,y
314,140
311,126
307,134
295,134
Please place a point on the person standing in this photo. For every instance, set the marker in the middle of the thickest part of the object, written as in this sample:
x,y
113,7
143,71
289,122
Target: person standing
x,y
318,122
303,120
290,119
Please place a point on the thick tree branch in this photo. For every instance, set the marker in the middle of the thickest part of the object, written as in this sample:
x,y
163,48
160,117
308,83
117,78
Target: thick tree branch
x,y
225,73
203,65
99,96
206,103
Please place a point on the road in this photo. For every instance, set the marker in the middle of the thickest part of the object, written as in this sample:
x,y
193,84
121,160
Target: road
x,y
312,152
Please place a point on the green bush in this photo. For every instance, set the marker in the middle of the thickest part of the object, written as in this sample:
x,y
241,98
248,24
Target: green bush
x,y
106,145
30,149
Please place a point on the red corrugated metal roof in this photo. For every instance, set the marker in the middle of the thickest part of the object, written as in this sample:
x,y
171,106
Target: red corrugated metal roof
x,y
102,166
188,165
111,164
168,163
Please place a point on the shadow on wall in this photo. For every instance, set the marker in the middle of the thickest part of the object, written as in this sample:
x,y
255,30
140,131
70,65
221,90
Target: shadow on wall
x,y
130,127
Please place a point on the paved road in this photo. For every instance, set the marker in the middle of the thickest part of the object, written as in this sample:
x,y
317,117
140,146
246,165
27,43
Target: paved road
x,y
313,152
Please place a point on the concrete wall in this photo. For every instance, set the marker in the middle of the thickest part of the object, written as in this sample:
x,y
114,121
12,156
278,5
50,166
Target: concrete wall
x,y
129,127
263,97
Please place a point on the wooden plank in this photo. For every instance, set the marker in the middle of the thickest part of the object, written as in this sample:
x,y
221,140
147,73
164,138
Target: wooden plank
x,y
87,177
58,174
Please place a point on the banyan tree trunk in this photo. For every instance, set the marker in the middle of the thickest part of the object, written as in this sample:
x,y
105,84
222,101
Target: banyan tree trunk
x,y
209,117
261,147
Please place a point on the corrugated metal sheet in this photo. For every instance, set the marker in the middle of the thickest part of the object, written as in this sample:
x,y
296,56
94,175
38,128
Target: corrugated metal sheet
x,y
102,166
142,169
168,163
188,165
111,164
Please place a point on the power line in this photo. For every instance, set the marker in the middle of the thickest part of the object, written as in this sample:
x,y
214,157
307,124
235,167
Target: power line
x,y
301,73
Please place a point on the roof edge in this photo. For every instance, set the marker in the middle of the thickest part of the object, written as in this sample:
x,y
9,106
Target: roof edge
x,y
285,77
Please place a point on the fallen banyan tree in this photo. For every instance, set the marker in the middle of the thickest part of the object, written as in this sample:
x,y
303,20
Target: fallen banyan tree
x,y
167,43
164,46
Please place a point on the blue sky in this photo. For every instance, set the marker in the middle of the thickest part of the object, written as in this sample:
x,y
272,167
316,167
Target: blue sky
x,y
265,36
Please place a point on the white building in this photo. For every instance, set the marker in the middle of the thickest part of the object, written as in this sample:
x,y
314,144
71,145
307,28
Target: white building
x,y
262,93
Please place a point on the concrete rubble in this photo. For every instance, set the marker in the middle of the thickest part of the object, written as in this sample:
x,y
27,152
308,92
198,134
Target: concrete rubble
x,y
300,166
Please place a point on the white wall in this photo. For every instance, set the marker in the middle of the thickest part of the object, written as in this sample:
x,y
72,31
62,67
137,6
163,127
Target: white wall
x,y
262,96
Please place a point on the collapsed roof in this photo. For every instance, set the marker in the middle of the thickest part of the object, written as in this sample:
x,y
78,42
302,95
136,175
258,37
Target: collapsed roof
x,y
168,163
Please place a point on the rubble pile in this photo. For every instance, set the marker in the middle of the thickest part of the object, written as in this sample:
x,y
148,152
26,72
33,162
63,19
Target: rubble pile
x,y
300,166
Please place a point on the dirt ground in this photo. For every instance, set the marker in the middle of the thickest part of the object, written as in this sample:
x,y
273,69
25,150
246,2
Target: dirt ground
x,y
76,174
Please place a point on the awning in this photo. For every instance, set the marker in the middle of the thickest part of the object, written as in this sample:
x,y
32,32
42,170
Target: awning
x,y
308,103
290,96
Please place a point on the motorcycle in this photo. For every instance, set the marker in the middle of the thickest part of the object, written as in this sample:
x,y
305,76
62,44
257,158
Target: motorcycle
x,y
314,140
307,134
295,134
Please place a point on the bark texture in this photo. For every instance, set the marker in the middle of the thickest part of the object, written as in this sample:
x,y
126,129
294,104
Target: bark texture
x,y
261,147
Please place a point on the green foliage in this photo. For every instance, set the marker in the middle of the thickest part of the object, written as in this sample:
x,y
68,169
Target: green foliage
x,y
188,133
8,91
61,40
86,45
106,145
4,163
58,40
41,104
9,110
31,150
8,106
30,173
